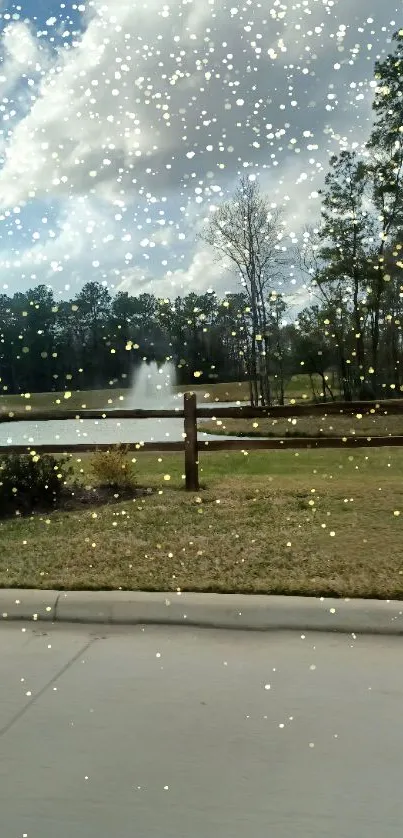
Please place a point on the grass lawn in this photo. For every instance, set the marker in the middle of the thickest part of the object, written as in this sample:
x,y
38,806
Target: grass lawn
x,y
298,387
303,426
307,522
112,398
75,400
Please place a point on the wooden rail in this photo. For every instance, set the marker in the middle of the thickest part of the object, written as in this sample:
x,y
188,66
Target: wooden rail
x,y
48,415
191,445
390,407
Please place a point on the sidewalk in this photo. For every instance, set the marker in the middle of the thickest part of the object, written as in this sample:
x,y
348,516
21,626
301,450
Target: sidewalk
x,y
160,731
230,611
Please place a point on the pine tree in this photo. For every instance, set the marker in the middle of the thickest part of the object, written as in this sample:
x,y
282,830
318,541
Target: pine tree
x,y
386,165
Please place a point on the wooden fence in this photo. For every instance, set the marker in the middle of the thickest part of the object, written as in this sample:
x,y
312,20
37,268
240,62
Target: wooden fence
x,y
192,446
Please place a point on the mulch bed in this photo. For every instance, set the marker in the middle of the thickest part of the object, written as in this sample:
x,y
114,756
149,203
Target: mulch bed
x,y
74,497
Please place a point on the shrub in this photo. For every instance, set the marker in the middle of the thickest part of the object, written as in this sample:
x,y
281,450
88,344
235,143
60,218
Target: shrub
x,y
112,468
29,480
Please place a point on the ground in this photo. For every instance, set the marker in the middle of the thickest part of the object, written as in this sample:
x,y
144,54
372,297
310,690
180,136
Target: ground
x,y
94,399
296,522
178,732
309,426
305,522
298,387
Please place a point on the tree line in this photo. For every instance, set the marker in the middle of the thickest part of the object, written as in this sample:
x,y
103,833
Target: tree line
x,y
353,259
349,339
97,340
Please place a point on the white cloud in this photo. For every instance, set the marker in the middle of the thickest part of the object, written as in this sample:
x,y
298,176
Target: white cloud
x,y
137,128
20,44
22,54
139,92
98,113
85,244
201,274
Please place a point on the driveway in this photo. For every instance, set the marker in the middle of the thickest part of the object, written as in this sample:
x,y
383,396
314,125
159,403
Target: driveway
x,y
161,732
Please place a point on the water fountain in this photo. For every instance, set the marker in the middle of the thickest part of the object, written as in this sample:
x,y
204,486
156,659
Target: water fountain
x,y
152,388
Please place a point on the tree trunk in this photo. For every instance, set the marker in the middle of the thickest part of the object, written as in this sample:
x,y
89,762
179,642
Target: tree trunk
x,y
345,378
359,338
329,390
312,386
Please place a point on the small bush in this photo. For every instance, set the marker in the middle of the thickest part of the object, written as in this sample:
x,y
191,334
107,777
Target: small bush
x,y
29,480
113,469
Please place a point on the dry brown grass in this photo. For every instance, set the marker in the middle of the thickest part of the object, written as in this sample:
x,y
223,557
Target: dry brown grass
x,y
114,398
310,426
264,524
298,387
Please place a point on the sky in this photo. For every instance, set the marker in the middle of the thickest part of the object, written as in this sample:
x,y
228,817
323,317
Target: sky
x,y
124,123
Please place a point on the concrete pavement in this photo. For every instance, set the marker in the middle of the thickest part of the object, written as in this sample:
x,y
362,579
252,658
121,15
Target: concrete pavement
x,y
232,611
162,731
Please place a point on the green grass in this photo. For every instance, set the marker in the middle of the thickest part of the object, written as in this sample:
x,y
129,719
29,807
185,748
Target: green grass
x,y
308,426
75,400
262,524
112,398
298,387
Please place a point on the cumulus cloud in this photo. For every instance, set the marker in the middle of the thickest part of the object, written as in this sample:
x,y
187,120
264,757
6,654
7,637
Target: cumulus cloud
x,y
203,273
85,243
22,54
150,117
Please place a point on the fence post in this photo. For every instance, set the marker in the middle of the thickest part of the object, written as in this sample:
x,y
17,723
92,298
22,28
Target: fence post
x,y
191,446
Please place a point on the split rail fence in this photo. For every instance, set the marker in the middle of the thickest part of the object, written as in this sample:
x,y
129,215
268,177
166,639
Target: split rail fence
x,y
192,445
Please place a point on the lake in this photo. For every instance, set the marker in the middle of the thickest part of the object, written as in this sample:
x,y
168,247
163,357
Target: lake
x,y
113,431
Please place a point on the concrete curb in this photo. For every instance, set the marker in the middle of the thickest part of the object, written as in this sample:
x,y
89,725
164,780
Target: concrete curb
x,y
231,611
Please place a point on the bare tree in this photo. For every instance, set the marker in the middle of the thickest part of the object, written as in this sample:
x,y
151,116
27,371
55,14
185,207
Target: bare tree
x,y
332,298
245,232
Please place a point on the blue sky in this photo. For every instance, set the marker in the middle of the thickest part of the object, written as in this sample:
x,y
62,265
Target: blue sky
x,y
125,123
39,11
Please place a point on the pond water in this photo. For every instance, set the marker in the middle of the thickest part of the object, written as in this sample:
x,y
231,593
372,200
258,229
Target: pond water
x,y
152,389
113,431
